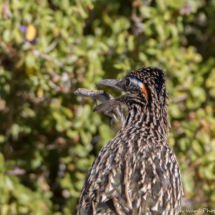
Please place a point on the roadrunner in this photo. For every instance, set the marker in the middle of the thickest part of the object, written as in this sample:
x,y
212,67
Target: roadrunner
x,y
137,171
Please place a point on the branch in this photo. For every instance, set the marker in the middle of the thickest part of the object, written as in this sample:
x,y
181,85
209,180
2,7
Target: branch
x,y
47,57
180,98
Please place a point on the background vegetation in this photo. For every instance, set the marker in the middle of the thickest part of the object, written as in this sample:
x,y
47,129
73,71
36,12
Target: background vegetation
x,y
49,137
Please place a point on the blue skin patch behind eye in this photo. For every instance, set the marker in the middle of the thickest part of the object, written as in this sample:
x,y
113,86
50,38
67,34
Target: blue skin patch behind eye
x,y
135,82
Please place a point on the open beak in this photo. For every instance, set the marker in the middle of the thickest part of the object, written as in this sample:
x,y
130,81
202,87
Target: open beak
x,y
109,82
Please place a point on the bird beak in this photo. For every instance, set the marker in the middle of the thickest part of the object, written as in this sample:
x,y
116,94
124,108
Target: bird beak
x,y
109,82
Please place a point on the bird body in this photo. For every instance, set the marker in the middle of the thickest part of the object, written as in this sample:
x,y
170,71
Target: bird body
x,y
137,171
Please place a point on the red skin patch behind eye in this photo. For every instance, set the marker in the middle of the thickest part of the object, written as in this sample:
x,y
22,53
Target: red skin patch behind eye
x,y
145,91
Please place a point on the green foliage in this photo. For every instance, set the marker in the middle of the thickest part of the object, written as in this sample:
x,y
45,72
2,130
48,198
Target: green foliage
x,y
49,138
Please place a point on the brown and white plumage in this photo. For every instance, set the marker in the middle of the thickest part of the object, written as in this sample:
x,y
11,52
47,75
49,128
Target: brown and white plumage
x,y
137,171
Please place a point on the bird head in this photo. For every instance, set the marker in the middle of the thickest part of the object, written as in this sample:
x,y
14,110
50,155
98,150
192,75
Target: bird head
x,y
145,93
146,85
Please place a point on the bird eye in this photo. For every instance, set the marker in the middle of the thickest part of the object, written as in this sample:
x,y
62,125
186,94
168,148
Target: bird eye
x,y
127,82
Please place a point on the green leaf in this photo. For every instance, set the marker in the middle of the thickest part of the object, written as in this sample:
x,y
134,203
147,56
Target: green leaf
x,y
1,162
120,24
145,11
131,43
1,138
7,35
15,129
17,35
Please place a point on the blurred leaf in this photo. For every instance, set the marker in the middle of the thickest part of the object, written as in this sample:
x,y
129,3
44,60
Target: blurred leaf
x,y
145,11
204,138
120,24
1,162
188,181
1,138
6,35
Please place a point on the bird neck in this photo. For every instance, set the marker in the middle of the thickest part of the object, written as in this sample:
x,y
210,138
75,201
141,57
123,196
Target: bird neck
x,y
148,119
